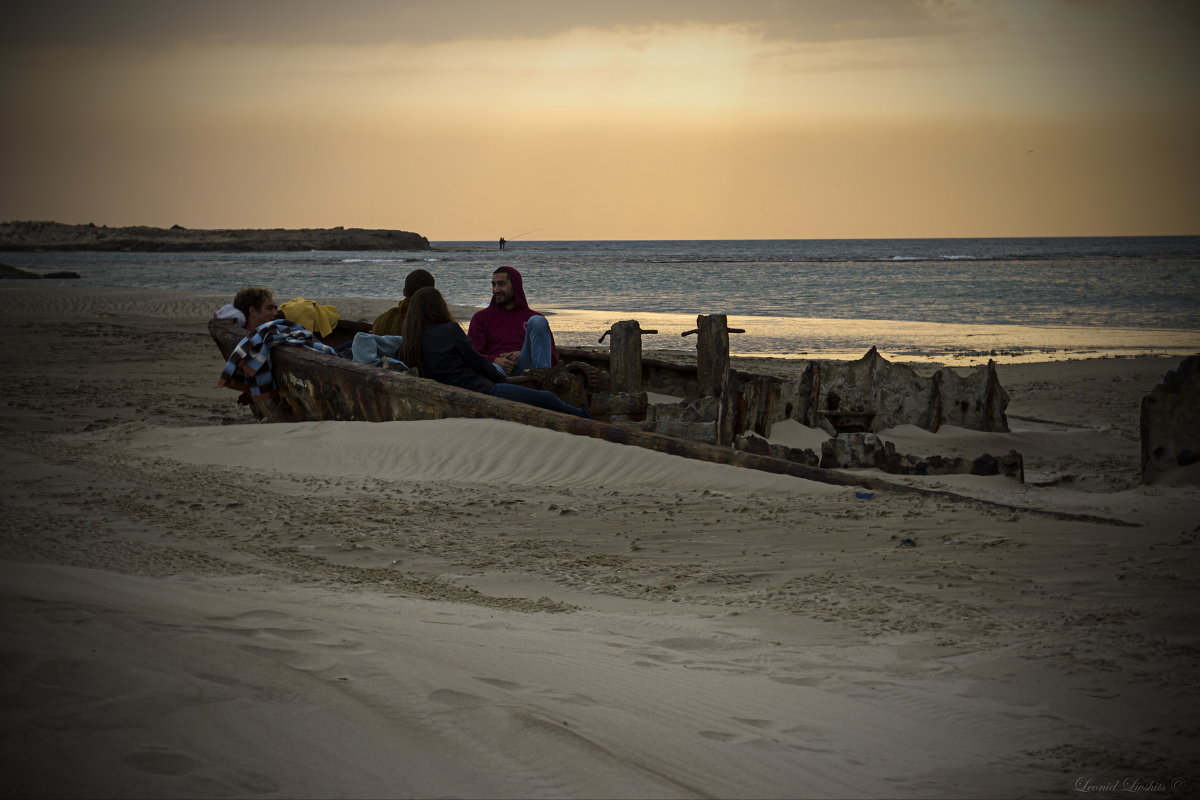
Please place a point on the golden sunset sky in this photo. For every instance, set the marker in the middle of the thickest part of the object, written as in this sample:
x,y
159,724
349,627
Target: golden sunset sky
x,y
613,119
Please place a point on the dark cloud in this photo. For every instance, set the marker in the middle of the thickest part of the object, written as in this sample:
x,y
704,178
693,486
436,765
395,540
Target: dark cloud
x,y
152,23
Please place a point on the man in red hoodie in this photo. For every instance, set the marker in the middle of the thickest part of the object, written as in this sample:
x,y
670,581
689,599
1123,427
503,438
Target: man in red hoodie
x,y
510,334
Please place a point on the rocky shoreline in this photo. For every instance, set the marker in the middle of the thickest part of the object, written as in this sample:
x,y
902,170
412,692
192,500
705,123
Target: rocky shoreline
x,y
56,236
16,273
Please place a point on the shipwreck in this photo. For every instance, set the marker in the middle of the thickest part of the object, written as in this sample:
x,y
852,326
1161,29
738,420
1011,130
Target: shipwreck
x,y
704,410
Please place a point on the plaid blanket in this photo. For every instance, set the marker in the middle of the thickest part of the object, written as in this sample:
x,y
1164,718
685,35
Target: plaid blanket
x,y
249,366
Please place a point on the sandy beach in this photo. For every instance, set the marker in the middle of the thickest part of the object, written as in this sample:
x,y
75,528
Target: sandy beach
x,y
199,605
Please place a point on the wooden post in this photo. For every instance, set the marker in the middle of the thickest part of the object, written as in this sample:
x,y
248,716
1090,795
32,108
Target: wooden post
x,y
625,356
712,353
713,377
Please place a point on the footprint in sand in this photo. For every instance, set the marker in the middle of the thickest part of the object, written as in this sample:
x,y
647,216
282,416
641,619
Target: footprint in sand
x,y
155,760
572,698
296,659
813,681
502,684
762,724
162,761
450,697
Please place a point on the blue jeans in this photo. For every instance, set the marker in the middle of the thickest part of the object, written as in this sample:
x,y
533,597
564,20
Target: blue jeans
x,y
536,397
536,349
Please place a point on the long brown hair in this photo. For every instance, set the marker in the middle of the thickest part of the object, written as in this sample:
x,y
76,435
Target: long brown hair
x,y
426,307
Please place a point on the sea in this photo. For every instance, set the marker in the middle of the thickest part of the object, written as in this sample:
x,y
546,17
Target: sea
x,y
956,301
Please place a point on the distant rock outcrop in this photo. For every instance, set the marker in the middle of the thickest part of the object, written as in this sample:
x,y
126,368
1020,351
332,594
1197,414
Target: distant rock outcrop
x,y
21,274
33,236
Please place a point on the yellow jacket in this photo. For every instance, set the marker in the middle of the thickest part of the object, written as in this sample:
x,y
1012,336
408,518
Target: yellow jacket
x,y
391,322
317,318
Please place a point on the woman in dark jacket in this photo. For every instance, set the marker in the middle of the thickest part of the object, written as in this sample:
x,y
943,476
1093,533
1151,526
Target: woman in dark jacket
x,y
437,346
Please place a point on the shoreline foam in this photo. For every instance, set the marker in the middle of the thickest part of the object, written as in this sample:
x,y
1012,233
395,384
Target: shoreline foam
x,y
909,342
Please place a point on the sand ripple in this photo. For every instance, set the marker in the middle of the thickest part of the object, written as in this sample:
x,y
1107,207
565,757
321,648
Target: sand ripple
x,y
461,450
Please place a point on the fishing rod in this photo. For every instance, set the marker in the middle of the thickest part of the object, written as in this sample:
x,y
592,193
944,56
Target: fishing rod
x,y
526,233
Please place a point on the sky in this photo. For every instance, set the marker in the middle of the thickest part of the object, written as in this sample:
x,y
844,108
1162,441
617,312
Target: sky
x,y
607,119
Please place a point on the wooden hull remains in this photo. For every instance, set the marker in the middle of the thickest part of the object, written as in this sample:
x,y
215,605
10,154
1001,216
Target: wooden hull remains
x,y
867,395
724,415
1170,422
312,386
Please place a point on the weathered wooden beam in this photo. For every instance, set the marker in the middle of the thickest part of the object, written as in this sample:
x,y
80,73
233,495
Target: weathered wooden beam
x,y
664,377
315,386
712,353
1170,421
625,355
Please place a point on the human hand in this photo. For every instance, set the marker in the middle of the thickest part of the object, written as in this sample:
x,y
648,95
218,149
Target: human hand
x,y
507,361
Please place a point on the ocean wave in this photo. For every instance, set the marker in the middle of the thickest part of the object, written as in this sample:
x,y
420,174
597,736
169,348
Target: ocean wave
x,y
802,260
1047,282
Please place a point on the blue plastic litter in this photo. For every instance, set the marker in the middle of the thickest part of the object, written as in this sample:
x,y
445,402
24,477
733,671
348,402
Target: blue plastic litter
x,y
864,495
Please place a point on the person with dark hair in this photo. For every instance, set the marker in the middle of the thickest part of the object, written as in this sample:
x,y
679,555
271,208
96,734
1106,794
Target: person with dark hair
x,y
390,322
436,345
251,307
513,336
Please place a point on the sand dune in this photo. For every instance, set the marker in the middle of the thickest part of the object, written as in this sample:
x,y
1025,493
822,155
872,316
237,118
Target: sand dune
x,y
464,450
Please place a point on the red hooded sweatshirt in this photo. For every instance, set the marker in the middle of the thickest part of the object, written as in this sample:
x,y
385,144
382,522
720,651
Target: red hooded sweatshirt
x,y
495,330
